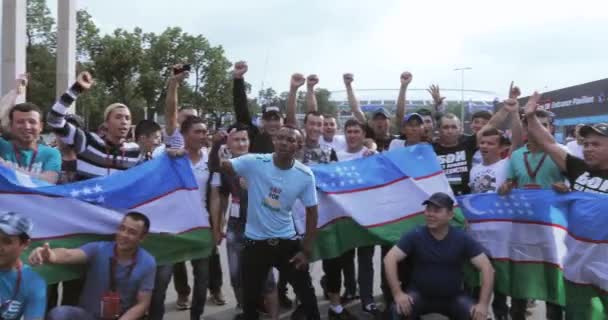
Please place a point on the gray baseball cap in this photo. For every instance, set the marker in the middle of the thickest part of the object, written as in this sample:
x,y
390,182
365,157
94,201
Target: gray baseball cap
x,y
13,224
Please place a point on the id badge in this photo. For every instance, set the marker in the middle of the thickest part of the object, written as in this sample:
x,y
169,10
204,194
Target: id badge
x,y
235,210
110,306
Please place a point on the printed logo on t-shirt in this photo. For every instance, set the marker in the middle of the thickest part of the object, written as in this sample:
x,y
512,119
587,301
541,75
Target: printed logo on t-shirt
x,y
484,182
318,155
454,164
10,310
586,183
272,200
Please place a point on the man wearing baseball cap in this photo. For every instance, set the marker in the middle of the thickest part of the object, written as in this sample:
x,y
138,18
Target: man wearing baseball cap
x,y
412,130
437,252
587,175
22,290
272,119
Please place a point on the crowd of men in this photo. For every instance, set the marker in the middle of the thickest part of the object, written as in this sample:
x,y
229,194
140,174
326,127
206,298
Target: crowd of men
x,y
256,174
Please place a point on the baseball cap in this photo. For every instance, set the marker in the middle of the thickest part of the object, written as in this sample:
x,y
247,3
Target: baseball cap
x,y
440,200
598,128
14,224
381,111
268,111
412,116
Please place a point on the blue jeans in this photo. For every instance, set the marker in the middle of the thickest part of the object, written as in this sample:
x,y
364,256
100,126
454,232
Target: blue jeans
x,y
200,271
456,308
69,313
161,283
235,242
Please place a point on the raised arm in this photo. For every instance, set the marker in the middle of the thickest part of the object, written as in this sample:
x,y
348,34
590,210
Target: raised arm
x,y
8,100
406,78
542,136
297,80
311,99
353,102
439,104
239,94
68,133
171,101
482,263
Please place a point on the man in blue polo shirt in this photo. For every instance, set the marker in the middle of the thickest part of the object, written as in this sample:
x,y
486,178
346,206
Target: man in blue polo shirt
x,y
275,181
22,290
437,252
120,274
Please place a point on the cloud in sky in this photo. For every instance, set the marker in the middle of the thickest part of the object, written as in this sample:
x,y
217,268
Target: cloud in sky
x,y
539,44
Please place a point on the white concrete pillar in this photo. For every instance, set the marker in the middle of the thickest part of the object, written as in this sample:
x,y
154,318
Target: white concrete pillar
x,y
66,45
13,44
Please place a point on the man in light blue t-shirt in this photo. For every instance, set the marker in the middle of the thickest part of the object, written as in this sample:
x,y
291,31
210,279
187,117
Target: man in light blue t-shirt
x,y
24,152
22,290
275,181
120,274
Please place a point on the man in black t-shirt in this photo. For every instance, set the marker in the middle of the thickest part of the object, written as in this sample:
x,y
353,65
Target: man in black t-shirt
x,y
454,153
588,175
272,119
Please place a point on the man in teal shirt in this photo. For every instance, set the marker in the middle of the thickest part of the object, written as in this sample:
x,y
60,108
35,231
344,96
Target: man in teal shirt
x,y
531,168
23,152
22,290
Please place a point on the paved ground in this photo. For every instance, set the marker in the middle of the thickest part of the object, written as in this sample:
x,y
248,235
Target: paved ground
x,y
227,312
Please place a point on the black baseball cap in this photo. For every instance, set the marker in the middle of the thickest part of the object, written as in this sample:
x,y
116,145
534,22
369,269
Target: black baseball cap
x,y
598,128
381,111
441,200
270,112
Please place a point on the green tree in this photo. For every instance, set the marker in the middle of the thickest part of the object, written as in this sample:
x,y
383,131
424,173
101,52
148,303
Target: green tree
x,y
40,50
325,105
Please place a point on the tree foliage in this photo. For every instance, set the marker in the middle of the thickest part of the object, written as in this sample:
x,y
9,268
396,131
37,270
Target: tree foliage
x,y
131,67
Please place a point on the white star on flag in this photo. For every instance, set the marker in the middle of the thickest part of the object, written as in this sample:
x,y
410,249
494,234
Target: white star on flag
x,y
351,181
341,183
86,191
359,181
101,199
338,169
74,193
352,168
97,188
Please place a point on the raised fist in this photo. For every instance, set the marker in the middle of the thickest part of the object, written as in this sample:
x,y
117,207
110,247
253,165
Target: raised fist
x,y
181,75
21,82
85,80
532,104
240,68
514,91
297,80
348,78
312,80
406,78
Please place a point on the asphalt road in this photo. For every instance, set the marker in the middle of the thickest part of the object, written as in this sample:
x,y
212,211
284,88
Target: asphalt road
x,y
228,311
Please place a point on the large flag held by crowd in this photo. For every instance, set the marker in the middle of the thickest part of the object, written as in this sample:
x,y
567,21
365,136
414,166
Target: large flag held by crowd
x,y
73,214
544,245
374,200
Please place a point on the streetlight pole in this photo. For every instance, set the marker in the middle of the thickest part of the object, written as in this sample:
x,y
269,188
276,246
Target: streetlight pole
x,y
462,70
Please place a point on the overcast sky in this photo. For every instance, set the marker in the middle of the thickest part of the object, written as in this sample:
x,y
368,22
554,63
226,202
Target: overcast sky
x,y
539,44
